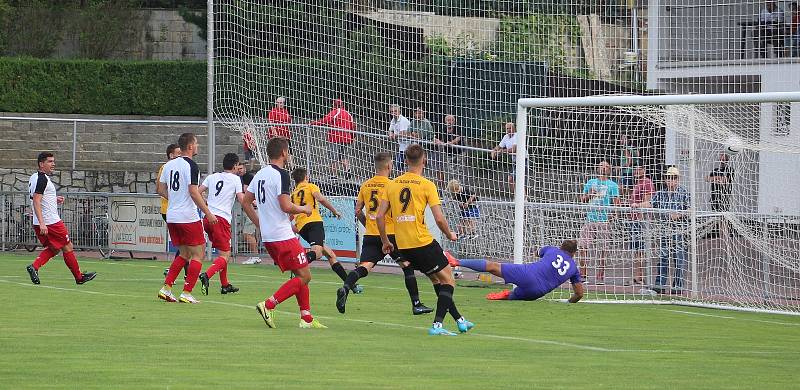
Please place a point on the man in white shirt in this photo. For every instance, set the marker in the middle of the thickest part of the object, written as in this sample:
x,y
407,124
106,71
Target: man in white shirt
x,y
223,189
179,184
508,145
271,189
770,30
398,131
50,229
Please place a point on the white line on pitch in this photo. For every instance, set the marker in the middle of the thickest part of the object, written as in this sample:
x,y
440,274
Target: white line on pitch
x,y
486,335
694,313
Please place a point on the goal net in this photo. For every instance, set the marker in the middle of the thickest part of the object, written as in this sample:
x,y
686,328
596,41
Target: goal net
x,y
685,204
468,63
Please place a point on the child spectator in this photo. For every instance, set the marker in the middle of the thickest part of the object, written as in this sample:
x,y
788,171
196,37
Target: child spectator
x,y
468,204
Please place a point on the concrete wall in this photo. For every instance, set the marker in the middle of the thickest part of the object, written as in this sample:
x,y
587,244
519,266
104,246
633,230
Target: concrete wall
x,y
103,146
65,180
163,35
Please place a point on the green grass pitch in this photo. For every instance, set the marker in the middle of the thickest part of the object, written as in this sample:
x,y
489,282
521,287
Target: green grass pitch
x,y
115,333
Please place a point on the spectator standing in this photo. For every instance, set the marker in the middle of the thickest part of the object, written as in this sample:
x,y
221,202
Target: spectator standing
x,y
399,132
279,114
721,179
421,127
468,209
600,191
640,197
675,198
340,136
508,145
628,159
248,227
770,29
448,158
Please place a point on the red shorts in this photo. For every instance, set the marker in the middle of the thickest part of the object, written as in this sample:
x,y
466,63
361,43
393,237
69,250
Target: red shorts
x,y
57,235
186,233
219,234
288,254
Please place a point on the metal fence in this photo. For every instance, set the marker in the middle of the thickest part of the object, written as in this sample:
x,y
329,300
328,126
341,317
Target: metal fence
x,y
86,215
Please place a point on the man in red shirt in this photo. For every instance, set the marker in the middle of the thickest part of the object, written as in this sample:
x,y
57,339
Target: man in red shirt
x,y
640,197
279,114
340,135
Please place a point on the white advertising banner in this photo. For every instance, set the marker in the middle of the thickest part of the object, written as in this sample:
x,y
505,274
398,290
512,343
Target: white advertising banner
x,y
135,224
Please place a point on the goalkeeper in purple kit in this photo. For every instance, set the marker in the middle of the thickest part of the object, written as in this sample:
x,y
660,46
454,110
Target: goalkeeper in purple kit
x,y
534,280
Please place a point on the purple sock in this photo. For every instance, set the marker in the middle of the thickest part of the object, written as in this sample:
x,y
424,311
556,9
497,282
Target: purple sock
x,y
477,265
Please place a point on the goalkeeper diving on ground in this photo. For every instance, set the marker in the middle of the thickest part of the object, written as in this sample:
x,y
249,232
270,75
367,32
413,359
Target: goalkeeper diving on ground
x,y
533,280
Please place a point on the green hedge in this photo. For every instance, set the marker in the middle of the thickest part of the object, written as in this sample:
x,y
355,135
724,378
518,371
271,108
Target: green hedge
x,y
103,87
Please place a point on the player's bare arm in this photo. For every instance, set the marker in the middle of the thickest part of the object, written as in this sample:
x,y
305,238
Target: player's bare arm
x,y
249,210
285,201
577,293
37,208
360,216
198,199
161,189
380,221
441,222
325,202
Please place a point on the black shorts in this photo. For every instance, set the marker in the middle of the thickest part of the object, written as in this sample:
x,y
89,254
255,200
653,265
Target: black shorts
x,y
372,250
313,233
428,259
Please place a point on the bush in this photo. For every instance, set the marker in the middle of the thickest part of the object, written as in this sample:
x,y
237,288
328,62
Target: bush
x,y
103,87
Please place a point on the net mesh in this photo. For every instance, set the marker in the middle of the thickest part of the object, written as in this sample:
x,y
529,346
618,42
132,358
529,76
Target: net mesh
x,y
474,59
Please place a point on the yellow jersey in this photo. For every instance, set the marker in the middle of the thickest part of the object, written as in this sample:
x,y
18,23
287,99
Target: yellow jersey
x,y
370,194
302,195
408,195
164,201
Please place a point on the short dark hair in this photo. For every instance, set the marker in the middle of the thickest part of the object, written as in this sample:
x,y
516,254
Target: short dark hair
x,y
276,146
185,139
382,160
171,148
43,156
414,154
570,246
299,174
230,160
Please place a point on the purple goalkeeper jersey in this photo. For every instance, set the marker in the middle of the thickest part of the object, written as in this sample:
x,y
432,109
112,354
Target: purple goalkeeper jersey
x,y
535,280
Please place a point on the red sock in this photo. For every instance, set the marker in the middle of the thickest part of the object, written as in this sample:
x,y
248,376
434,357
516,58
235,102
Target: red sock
x,y
304,301
72,264
174,269
43,258
195,266
216,266
223,274
291,287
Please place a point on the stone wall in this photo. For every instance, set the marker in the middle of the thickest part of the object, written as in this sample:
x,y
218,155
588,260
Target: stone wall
x,y
16,179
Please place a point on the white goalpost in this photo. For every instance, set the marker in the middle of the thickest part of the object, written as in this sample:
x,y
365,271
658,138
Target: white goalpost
x,y
733,245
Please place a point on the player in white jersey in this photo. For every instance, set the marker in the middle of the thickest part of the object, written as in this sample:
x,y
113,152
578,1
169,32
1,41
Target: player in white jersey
x,y
223,189
49,227
179,183
271,188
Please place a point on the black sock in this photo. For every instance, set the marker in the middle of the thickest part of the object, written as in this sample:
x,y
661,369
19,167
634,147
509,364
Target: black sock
x,y
452,309
444,302
337,267
311,256
411,285
353,276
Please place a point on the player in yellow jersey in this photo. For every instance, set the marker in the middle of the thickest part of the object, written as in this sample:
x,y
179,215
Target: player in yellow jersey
x,y
406,198
310,227
371,248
